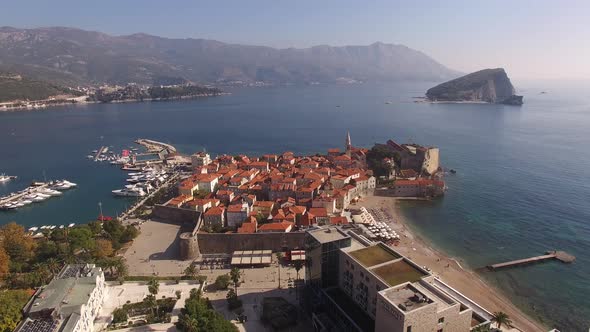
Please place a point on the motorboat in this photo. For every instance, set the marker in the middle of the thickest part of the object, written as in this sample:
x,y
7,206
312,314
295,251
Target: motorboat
x,y
39,198
126,192
71,225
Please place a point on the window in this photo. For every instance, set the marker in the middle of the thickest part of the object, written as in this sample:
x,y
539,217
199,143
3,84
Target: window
x,y
441,320
439,330
409,329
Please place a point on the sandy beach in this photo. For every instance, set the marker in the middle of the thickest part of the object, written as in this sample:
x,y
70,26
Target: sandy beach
x,y
449,270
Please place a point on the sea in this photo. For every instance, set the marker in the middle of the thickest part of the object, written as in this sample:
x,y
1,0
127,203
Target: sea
x,y
522,182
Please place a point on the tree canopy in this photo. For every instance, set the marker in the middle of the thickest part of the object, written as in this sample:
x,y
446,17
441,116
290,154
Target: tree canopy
x,y
198,316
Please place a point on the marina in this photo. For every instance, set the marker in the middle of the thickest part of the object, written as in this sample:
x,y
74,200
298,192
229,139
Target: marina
x,y
36,193
561,256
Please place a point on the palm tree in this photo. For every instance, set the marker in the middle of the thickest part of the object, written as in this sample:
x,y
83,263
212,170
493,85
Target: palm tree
x,y
154,288
53,265
501,318
279,256
298,266
120,267
190,271
150,301
235,275
482,328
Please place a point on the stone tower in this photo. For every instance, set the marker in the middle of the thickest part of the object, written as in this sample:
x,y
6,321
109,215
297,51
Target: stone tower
x,y
348,142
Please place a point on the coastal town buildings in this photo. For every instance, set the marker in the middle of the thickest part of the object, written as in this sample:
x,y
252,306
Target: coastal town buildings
x,y
292,193
69,303
368,286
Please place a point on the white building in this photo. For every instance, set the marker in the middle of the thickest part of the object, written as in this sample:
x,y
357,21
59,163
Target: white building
x,y
69,303
200,159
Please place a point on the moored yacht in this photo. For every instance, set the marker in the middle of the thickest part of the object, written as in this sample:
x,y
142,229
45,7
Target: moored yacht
x,y
129,192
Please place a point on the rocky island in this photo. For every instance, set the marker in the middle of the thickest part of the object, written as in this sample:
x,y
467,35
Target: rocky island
x,y
488,85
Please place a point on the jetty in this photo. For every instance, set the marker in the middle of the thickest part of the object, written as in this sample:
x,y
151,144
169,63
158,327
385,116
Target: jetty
x,y
103,149
561,256
155,146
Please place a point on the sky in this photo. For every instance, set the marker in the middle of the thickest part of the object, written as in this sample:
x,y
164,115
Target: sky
x,y
531,39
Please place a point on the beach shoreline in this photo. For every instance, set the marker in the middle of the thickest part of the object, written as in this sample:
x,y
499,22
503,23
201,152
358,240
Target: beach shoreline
x,y
447,268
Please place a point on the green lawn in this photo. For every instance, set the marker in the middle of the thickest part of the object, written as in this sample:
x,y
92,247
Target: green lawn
x,y
373,255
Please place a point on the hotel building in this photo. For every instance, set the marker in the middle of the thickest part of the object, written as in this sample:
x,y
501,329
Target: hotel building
x,y
354,284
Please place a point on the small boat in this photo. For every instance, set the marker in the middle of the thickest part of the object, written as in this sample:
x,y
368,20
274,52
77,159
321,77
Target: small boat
x,y
452,171
61,226
33,229
71,225
26,201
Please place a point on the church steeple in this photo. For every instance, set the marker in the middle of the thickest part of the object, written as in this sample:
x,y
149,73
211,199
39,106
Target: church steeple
x,y
348,142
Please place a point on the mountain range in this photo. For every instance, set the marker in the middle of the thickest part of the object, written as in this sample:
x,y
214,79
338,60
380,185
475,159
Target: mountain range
x,y
73,56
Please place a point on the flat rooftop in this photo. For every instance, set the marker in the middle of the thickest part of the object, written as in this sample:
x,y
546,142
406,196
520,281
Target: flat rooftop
x,y
328,234
398,272
373,255
407,297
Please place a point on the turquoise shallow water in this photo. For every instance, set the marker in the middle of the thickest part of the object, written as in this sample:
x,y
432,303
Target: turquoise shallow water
x,y
522,185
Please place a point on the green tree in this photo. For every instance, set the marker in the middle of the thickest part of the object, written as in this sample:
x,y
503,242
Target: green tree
x,y
95,227
222,281
235,275
11,303
150,302
298,265
198,316
80,238
153,286
120,315
191,271
501,318
129,234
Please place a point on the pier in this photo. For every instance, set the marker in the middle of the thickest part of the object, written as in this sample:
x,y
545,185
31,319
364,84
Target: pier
x,y
18,196
99,152
155,146
561,256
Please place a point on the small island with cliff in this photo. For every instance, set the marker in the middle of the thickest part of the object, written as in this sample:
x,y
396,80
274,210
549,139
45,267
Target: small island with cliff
x,y
485,86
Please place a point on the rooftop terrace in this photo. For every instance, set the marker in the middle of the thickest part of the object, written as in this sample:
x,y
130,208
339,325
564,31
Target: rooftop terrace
x,y
407,297
374,255
398,272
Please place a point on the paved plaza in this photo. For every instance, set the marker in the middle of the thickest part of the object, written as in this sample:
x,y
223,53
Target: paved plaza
x,y
156,251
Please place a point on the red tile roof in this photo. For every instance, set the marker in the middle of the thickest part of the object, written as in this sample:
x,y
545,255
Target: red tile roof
x,y
319,211
339,221
276,226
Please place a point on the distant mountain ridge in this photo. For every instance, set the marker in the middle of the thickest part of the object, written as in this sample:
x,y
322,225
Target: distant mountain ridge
x,y
69,55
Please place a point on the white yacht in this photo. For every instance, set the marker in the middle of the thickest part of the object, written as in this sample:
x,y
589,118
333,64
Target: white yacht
x,y
71,225
39,198
4,178
129,192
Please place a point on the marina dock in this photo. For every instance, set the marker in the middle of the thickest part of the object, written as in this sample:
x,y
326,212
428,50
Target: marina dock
x,y
18,196
561,256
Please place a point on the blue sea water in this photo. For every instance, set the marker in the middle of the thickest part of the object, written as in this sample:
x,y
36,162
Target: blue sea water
x,y
522,183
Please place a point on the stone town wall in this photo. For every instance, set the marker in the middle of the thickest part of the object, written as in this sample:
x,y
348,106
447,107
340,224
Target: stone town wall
x,y
228,243
176,215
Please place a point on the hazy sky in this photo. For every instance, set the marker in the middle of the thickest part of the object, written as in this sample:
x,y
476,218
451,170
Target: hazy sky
x,y
530,38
